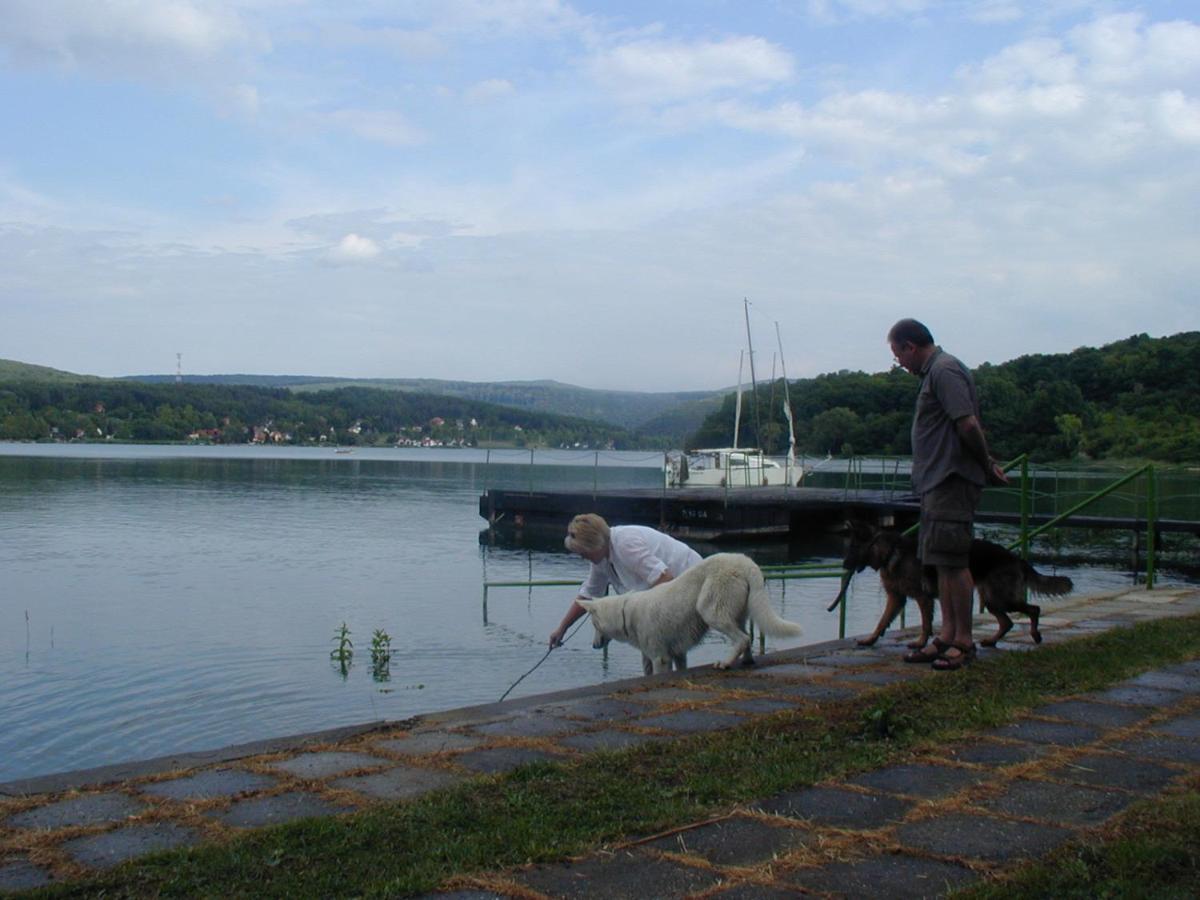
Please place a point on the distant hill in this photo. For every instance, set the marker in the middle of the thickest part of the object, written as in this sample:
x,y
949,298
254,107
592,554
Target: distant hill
x,y
660,414
11,370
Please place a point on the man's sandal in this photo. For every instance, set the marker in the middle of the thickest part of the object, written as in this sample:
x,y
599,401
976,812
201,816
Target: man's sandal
x,y
928,653
946,663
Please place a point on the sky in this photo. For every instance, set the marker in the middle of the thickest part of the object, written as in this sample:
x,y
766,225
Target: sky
x,y
491,190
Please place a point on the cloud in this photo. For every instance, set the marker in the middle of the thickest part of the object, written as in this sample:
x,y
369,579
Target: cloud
x,y
378,125
657,71
353,248
120,37
489,89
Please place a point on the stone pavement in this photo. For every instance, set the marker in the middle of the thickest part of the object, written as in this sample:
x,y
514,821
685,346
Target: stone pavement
x,y
939,821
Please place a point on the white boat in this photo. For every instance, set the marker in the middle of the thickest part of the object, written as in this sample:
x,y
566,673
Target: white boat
x,y
728,467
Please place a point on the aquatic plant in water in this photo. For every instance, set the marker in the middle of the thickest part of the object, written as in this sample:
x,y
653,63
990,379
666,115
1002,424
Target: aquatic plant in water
x,y
381,655
344,651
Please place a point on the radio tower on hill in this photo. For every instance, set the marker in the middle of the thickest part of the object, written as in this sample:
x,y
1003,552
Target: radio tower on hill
x,y
179,368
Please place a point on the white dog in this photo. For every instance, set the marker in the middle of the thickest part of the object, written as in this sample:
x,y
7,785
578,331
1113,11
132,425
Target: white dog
x,y
668,620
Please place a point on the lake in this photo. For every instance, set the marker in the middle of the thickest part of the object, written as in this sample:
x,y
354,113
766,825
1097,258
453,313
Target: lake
x,y
167,599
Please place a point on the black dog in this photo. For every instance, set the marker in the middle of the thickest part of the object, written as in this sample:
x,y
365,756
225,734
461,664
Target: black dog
x,y
1001,577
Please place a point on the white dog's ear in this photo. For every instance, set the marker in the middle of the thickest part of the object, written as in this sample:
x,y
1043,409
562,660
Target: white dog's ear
x,y
586,604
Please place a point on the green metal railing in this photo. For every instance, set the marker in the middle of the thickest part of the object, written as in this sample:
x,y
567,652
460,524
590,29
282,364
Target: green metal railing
x,y
855,477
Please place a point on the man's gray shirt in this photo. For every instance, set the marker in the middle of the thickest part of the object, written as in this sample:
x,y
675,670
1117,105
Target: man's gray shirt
x,y
947,394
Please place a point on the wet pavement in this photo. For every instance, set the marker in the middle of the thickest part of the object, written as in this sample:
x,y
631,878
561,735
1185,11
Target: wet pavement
x,y
935,823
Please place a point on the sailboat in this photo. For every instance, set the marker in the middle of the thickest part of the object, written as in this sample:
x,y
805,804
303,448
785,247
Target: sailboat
x,y
729,467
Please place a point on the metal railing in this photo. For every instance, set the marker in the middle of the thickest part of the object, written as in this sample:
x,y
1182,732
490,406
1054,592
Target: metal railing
x,y
893,479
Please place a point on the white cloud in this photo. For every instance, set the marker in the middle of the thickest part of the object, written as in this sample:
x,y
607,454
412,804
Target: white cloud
x,y
1180,116
379,125
121,37
353,248
489,89
665,71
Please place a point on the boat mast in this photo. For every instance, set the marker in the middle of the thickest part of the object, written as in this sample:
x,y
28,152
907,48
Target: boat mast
x,y
787,400
753,381
737,408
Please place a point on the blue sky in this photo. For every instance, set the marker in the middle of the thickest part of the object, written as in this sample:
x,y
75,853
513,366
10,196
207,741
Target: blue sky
x,y
526,189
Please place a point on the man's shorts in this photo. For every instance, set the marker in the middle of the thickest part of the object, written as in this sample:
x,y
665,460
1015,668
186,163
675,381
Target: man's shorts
x,y
947,517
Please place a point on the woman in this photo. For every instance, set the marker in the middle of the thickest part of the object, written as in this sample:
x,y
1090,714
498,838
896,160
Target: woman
x,y
624,557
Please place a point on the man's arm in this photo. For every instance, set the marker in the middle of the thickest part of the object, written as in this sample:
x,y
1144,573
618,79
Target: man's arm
x,y
970,432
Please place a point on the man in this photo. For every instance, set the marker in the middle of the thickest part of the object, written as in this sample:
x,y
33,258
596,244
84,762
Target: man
x,y
951,463
625,558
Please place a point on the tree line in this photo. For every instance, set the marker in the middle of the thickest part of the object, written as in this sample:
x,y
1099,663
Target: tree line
x,y
1135,398
139,412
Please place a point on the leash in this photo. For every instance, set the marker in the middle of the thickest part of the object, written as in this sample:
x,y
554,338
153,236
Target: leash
x,y
545,656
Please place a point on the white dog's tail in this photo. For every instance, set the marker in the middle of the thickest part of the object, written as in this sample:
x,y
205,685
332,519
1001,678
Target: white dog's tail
x,y
763,613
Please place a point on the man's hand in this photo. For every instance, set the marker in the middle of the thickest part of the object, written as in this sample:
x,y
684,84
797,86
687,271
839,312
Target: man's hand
x,y
995,474
556,638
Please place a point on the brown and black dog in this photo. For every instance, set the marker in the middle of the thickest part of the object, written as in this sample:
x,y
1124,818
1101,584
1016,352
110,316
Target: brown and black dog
x,y
1000,576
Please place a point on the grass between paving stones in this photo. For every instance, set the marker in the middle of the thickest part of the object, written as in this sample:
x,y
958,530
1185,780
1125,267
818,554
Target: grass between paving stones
x,y
1153,850
545,812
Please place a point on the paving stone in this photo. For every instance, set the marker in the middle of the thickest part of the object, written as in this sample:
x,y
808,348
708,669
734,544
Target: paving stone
x,y
738,841
919,780
607,739
1168,681
209,784
892,675
748,683
1183,726
1170,749
981,837
837,807
793,670
1104,715
690,721
816,693
670,695
1062,804
1192,667
755,705
326,763
598,709
751,891
399,783
1115,771
101,851
994,753
528,727
1137,696
619,876
1066,734
259,811
844,660
895,876
21,875
86,809
502,759
427,742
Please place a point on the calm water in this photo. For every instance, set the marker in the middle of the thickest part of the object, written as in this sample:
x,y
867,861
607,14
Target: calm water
x,y
165,599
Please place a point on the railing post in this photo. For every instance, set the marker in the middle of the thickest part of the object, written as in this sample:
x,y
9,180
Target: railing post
x,y
842,616
1151,523
531,470
596,475
1025,498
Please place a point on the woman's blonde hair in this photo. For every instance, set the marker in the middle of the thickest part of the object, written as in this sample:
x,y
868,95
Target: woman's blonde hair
x,y
587,533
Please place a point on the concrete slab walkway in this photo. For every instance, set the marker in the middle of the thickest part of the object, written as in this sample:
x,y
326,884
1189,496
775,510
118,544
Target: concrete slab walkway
x,y
933,824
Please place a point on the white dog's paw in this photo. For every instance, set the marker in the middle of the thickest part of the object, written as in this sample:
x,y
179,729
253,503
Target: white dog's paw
x,y
721,665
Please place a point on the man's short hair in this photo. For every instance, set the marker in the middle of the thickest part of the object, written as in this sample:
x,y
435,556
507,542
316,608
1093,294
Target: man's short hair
x,y
910,331
587,533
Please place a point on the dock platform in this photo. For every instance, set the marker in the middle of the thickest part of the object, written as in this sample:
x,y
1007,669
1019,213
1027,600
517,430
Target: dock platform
x,y
708,514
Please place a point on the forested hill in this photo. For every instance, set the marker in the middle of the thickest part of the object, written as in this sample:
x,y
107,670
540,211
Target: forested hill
x,y
627,409
110,409
1136,398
